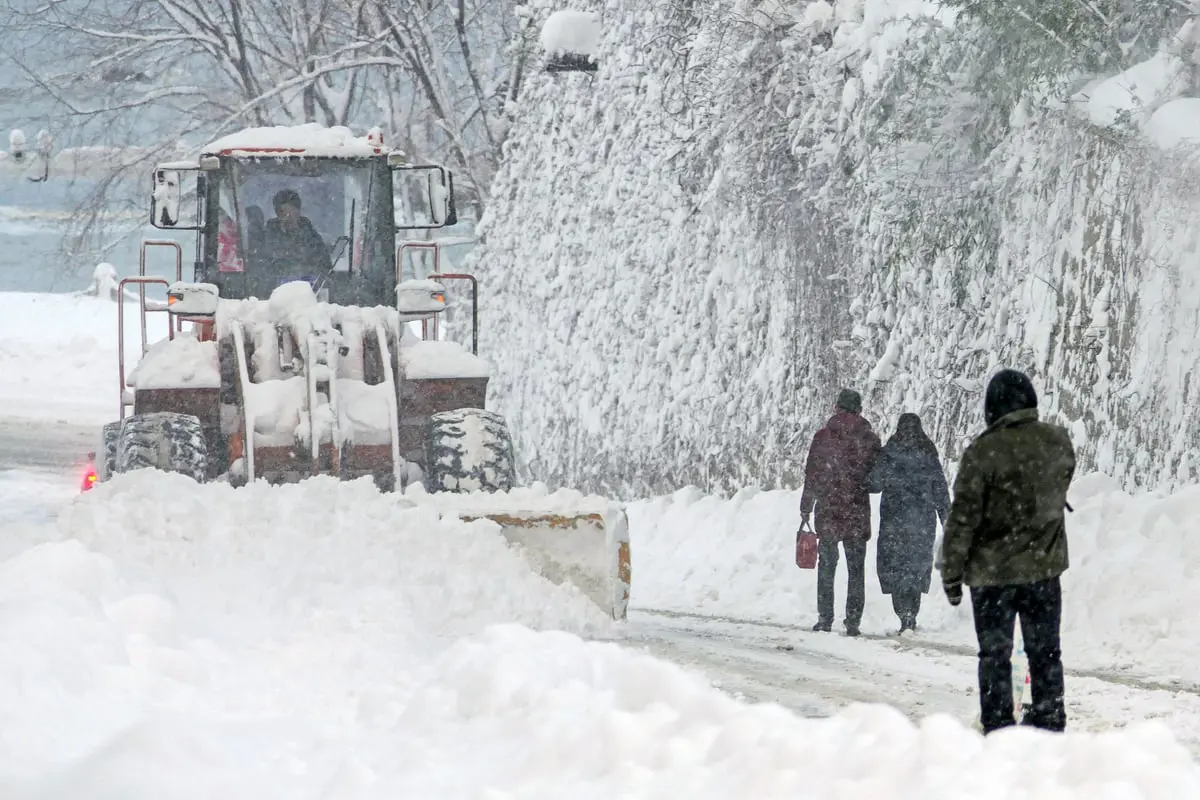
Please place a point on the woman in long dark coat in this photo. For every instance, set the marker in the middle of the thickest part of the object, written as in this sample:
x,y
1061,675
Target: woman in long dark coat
x,y
915,496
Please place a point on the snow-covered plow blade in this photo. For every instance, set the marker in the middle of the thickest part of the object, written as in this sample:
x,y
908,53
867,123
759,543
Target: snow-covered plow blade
x,y
588,548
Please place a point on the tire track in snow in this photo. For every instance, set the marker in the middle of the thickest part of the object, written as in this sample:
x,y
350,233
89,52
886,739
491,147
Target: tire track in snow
x,y
742,661
815,674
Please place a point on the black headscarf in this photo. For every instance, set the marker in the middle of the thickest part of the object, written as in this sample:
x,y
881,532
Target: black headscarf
x,y
1008,391
909,433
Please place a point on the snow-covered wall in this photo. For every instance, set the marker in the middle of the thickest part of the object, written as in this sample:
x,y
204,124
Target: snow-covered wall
x,y
749,205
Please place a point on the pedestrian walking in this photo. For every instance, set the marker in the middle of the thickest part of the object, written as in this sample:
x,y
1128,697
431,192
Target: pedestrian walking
x,y
839,458
914,499
1006,539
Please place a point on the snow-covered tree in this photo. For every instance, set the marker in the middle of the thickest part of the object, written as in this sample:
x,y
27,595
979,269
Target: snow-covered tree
x,y
752,204
169,74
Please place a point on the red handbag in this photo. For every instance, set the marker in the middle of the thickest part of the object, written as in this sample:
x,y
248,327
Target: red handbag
x,y
806,547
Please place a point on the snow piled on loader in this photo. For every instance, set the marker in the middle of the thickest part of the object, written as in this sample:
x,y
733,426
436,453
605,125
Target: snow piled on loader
x,y
170,640
310,139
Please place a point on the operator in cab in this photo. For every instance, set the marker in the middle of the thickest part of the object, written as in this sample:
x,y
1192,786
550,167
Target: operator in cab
x,y
291,243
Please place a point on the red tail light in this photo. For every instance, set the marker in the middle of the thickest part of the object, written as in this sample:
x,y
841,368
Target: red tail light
x,y
89,479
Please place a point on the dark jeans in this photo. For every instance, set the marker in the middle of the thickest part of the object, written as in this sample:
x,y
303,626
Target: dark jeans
x,y
907,604
1039,606
856,592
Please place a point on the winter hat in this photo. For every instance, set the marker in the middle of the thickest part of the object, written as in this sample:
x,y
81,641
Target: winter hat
x,y
1008,391
849,400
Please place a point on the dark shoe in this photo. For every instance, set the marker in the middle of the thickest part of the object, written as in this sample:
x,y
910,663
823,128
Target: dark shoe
x,y
1029,720
852,630
825,627
990,729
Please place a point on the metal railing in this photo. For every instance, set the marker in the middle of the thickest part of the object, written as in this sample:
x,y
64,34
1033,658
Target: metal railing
x,y
142,282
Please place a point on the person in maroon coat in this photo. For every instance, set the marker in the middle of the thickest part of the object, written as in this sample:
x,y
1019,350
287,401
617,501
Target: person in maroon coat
x,y
841,455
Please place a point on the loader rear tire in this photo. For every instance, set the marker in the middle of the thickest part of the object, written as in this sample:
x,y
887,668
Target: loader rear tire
x,y
163,440
468,450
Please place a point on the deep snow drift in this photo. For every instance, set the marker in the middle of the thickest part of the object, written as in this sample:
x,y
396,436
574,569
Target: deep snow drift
x,y
166,640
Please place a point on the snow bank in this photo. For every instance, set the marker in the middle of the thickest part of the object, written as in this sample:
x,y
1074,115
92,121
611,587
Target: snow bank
x,y
327,709
533,713
166,633
323,536
1129,596
168,640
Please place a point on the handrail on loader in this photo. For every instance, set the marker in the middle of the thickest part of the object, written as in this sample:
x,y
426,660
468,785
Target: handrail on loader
x,y
142,282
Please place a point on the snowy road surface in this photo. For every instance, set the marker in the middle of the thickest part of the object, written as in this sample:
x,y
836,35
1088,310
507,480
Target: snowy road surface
x,y
819,674
56,447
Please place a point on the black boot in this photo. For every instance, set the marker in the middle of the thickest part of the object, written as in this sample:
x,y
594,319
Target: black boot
x,y
823,626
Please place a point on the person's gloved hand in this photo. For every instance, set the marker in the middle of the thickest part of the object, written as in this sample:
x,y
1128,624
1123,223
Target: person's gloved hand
x,y
953,592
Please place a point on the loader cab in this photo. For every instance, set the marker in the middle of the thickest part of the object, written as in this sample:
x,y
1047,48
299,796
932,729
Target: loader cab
x,y
265,217
275,220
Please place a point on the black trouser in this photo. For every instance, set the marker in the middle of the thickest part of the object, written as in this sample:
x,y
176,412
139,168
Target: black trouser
x,y
906,603
856,590
1040,608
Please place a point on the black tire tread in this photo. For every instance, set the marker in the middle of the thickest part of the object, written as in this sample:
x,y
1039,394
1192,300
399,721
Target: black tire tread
x,y
450,466
106,462
163,440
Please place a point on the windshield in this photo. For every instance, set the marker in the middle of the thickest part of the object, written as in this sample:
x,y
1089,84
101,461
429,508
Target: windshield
x,y
284,219
326,193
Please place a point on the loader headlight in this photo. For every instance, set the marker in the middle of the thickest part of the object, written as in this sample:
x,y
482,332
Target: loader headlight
x,y
420,299
192,299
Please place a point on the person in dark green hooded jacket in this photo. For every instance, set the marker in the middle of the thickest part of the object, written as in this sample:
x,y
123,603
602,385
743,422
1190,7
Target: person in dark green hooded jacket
x,y
1006,538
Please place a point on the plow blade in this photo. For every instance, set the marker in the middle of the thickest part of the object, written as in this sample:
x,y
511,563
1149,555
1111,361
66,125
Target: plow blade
x,y
589,550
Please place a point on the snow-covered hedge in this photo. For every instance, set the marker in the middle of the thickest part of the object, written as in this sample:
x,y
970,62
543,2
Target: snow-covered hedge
x,y
751,204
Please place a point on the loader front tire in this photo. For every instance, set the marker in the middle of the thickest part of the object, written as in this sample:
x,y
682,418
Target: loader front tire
x,y
163,440
468,450
106,462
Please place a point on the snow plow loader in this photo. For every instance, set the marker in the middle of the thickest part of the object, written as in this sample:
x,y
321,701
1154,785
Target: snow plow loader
x,y
296,350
